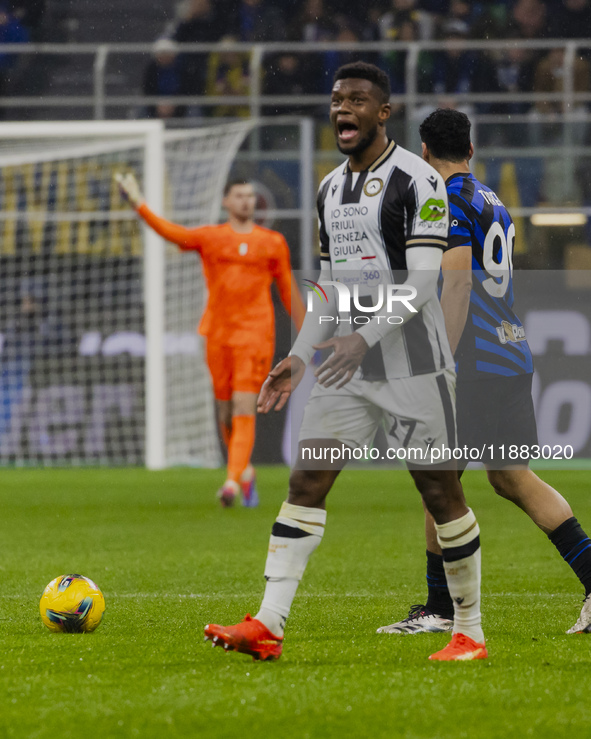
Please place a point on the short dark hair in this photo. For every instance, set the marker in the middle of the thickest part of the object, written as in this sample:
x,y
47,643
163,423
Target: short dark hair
x,y
365,71
446,134
235,181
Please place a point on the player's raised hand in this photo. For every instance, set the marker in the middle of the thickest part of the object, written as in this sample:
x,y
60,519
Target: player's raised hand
x,y
347,355
282,380
130,189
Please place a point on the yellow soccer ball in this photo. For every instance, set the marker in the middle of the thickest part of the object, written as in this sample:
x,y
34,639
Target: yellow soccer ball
x,y
72,604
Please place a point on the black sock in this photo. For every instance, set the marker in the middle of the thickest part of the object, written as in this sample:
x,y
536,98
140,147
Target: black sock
x,y
575,548
439,600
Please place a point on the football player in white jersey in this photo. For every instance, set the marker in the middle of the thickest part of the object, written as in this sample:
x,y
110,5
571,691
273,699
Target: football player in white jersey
x,y
382,213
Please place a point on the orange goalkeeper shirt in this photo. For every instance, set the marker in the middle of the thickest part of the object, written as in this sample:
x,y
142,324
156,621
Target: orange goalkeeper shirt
x,y
239,269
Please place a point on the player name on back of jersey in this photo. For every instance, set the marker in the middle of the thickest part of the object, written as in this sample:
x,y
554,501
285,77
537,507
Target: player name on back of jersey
x,y
491,197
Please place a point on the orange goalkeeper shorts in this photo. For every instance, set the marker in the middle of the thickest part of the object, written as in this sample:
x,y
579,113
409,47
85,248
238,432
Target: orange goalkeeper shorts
x,y
237,369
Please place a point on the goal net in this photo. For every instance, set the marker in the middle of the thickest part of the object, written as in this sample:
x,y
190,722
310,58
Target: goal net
x,y
100,359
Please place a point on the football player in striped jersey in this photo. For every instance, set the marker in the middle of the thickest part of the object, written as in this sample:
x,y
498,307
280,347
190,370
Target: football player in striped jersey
x,y
383,224
494,365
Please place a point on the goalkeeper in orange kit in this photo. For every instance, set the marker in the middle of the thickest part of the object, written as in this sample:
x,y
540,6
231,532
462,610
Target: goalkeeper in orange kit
x,y
240,261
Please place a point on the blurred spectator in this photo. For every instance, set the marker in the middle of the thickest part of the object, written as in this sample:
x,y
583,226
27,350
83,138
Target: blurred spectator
x,y
547,126
313,23
370,29
287,75
529,19
510,70
571,19
461,10
399,26
30,332
550,76
228,73
29,13
491,23
164,76
258,21
400,13
335,59
199,23
11,32
32,335
437,7
455,69
506,71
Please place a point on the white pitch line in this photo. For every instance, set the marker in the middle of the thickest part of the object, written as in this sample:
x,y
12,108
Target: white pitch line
x,y
199,596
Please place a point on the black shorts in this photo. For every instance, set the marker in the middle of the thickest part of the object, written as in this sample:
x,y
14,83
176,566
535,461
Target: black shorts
x,y
495,415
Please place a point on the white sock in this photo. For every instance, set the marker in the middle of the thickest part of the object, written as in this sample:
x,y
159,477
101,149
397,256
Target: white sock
x,y
296,534
248,474
460,544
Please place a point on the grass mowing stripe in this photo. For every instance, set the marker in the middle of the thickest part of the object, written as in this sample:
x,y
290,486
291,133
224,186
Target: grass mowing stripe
x,y
300,595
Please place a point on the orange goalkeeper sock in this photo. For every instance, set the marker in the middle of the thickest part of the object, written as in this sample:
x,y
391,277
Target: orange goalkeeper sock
x,y
241,445
225,433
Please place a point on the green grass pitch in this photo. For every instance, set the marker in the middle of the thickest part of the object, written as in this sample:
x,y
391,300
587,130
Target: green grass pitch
x,y
169,561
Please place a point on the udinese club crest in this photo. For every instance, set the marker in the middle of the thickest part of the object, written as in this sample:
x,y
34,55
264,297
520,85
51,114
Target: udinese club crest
x,y
373,187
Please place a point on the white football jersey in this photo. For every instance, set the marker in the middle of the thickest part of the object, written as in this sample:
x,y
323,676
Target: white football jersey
x,y
367,221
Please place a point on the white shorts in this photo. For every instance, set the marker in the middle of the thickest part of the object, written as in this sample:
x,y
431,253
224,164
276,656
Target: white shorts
x,y
415,412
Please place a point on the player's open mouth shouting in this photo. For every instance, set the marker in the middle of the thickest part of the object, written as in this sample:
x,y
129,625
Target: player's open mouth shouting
x,y
346,130
353,111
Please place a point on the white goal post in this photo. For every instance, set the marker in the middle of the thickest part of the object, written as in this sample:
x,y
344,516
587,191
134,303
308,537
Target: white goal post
x,y
83,137
95,309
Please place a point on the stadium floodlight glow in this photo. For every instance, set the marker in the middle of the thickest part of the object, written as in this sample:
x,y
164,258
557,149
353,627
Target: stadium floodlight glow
x,y
558,219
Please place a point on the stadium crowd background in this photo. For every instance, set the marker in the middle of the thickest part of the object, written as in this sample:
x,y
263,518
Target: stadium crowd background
x,y
444,72
550,173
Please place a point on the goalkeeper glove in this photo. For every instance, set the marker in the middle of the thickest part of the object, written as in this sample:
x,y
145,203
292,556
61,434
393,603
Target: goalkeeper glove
x,y
130,189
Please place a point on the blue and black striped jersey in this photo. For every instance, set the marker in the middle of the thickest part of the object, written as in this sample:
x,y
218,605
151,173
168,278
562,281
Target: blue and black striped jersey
x,y
493,342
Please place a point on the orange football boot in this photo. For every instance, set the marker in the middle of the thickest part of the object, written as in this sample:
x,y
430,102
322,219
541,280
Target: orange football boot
x,y
461,647
249,637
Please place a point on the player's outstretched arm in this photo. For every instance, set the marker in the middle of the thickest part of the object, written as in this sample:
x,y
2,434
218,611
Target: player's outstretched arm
x,y
186,238
281,382
287,286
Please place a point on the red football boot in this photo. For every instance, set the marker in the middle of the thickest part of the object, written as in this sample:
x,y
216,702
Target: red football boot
x,y
250,497
249,637
461,647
